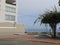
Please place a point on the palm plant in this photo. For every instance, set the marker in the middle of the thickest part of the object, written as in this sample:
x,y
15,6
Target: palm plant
x,y
52,18
59,2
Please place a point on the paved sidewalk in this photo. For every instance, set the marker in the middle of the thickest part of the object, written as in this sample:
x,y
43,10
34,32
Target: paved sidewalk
x,y
13,36
28,38
45,41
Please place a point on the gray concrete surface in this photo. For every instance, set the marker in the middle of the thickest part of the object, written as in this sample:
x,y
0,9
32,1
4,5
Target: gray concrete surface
x,y
21,42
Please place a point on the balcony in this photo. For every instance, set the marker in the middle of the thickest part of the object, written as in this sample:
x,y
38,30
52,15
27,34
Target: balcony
x,y
12,2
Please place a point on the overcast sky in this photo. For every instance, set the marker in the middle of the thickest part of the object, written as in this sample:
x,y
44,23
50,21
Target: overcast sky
x,y
29,10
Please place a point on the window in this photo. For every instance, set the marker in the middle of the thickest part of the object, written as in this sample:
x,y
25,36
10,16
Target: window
x,y
10,9
12,2
10,17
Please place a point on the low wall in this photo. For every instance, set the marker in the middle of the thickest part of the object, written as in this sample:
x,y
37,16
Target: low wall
x,y
18,29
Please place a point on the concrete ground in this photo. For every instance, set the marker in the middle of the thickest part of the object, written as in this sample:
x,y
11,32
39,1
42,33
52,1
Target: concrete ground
x,y
22,42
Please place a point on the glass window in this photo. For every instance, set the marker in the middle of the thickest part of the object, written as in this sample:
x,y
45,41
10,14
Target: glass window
x,y
10,17
10,9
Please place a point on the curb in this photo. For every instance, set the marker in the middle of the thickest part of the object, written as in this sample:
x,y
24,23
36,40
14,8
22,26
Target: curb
x,y
43,41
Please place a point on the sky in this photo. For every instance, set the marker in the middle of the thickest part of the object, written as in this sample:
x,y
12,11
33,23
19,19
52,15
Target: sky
x,y
29,10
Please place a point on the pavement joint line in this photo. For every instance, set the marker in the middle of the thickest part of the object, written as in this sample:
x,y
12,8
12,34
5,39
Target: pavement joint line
x,y
43,41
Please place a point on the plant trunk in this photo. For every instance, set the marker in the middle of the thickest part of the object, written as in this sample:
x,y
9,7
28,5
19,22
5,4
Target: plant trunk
x,y
54,31
53,26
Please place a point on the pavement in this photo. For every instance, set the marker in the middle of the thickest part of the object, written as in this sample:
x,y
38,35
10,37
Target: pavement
x,y
45,39
29,38
21,42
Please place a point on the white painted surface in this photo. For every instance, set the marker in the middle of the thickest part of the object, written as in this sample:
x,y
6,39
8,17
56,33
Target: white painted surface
x,y
7,27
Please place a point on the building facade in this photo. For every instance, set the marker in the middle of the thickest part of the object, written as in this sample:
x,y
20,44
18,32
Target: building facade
x,y
8,10
8,17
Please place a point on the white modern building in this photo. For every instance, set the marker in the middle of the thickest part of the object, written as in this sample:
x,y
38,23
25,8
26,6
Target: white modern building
x,y
8,17
8,10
